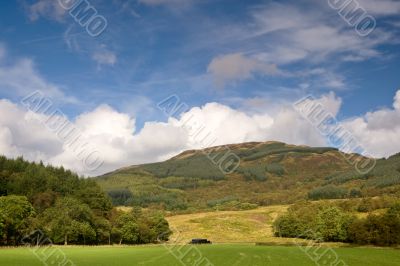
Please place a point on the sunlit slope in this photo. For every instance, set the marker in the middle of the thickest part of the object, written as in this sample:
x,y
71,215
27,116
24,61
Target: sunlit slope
x,y
268,173
227,226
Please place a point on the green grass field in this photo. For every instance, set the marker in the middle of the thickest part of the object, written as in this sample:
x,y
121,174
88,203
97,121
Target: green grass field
x,y
224,254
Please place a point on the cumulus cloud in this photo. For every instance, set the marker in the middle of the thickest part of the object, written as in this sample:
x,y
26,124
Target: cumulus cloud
x,y
396,104
21,133
236,67
103,130
378,131
113,134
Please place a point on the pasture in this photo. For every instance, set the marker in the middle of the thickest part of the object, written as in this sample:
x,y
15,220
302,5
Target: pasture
x,y
218,255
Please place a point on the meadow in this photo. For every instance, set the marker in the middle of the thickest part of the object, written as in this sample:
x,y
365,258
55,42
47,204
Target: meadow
x,y
218,255
249,226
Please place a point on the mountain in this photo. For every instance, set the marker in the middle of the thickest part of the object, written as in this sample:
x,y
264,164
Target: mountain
x,y
268,173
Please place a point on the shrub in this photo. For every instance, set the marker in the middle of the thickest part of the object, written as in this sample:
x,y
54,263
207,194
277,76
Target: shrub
x,y
276,169
235,206
193,167
120,197
327,192
253,173
213,203
382,230
330,223
355,193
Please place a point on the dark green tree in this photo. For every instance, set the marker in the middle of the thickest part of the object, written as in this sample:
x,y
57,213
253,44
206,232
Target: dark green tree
x,y
68,221
15,212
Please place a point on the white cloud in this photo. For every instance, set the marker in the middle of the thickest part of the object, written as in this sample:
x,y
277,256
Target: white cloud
x,y
324,78
378,131
310,35
396,103
381,7
286,34
227,125
236,67
165,2
103,130
113,134
50,9
19,78
21,133
105,57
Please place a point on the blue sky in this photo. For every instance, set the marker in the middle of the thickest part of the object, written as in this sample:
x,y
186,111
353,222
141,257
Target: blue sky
x,y
249,56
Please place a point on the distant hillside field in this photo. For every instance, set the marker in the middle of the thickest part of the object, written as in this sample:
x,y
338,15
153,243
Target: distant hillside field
x,y
269,173
227,226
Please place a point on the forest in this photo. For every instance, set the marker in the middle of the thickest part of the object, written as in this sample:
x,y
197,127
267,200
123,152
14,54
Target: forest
x,y
67,209
337,222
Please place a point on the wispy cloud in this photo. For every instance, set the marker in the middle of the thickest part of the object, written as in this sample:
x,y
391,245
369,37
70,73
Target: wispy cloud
x,y
175,3
20,77
234,67
381,7
50,9
103,56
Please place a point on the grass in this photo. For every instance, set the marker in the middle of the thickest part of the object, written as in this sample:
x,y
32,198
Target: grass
x,y
227,226
226,254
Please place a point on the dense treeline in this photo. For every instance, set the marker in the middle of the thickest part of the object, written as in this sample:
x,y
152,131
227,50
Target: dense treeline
x,y
331,222
67,209
328,192
199,166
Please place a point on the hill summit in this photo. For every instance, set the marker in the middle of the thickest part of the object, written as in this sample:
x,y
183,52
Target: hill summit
x,y
258,173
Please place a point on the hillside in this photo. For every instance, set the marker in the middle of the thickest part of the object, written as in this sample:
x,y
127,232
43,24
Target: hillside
x,y
250,226
269,173
227,226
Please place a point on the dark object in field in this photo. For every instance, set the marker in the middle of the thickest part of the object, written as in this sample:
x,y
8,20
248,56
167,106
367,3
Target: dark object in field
x,y
199,241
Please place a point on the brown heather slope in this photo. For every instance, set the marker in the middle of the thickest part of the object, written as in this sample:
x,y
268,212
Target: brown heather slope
x,y
269,173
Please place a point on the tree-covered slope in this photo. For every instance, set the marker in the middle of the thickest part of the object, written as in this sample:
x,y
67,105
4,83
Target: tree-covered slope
x,y
58,206
268,173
